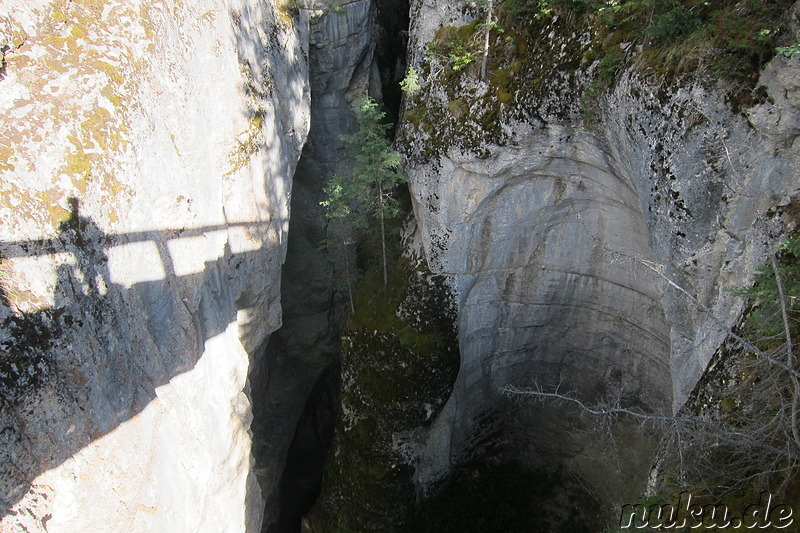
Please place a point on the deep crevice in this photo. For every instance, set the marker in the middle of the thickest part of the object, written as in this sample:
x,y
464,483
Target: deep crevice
x,y
390,51
296,386
302,476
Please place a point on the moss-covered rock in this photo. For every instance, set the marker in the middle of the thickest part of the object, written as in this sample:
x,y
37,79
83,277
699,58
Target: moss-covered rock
x,y
399,360
552,61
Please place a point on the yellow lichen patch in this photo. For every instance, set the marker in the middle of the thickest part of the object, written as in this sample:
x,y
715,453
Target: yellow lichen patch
x,y
52,196
113,187
99,130
14,32
54,42
6,153
17,61
80,184
110,70
79,32
95,6
56,66
245,149
58,16
57,213
111,95
77,78
78,163
174,144
40,207
147,22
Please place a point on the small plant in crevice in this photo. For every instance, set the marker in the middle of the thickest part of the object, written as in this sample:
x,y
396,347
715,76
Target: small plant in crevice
x,y
410,83
791,51
604,77
337,8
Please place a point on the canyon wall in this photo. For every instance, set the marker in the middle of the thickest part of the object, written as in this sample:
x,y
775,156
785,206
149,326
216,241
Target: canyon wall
x,y
146,156
340,64
566,227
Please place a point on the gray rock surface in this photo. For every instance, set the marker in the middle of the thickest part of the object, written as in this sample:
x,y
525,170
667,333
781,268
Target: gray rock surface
x,y
146,155
559,240
340,56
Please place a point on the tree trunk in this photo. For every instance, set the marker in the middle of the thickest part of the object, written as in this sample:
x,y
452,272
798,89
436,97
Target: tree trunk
x,y
383,235
789,351
489,14
347,276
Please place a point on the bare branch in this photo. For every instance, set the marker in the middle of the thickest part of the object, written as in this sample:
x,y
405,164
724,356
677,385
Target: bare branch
x,y
789,353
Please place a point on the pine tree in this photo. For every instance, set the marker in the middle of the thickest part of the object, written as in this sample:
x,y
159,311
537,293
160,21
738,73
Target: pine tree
x,y
369,191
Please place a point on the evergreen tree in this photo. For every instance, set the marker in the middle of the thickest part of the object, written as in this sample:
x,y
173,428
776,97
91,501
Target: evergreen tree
x,y
369,191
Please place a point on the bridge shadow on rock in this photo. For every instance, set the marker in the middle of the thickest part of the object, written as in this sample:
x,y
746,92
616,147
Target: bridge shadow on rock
x,y
75,367
74,371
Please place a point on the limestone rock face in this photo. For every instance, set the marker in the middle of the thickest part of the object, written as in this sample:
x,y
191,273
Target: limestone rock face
x,y
561,237
340,55
146,156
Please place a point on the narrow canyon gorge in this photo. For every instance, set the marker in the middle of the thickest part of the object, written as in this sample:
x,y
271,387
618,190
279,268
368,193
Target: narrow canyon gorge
x,y
592,189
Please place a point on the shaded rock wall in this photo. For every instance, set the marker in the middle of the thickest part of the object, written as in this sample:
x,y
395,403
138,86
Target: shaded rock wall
x,y
146,156
556,232
340,59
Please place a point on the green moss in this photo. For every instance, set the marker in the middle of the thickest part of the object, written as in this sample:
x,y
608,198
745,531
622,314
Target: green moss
x,y
414,116
458,108
548,44
499,80
399,360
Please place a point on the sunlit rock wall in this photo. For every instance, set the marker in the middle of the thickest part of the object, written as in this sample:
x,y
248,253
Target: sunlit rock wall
x,y
562,228
146,155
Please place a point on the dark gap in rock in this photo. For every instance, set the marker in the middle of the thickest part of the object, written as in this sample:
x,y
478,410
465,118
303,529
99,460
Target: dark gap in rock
x,y
295,390
302,477
390,51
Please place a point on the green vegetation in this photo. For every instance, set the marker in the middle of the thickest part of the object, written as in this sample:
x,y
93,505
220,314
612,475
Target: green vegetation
x,y
543,47
604,77
456,46
288,11
337,8
370,189
672,24
765,323
410,84
740,426
399,360
791,51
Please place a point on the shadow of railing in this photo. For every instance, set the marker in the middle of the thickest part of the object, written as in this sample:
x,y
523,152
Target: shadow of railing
x,y
55,398
95,357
